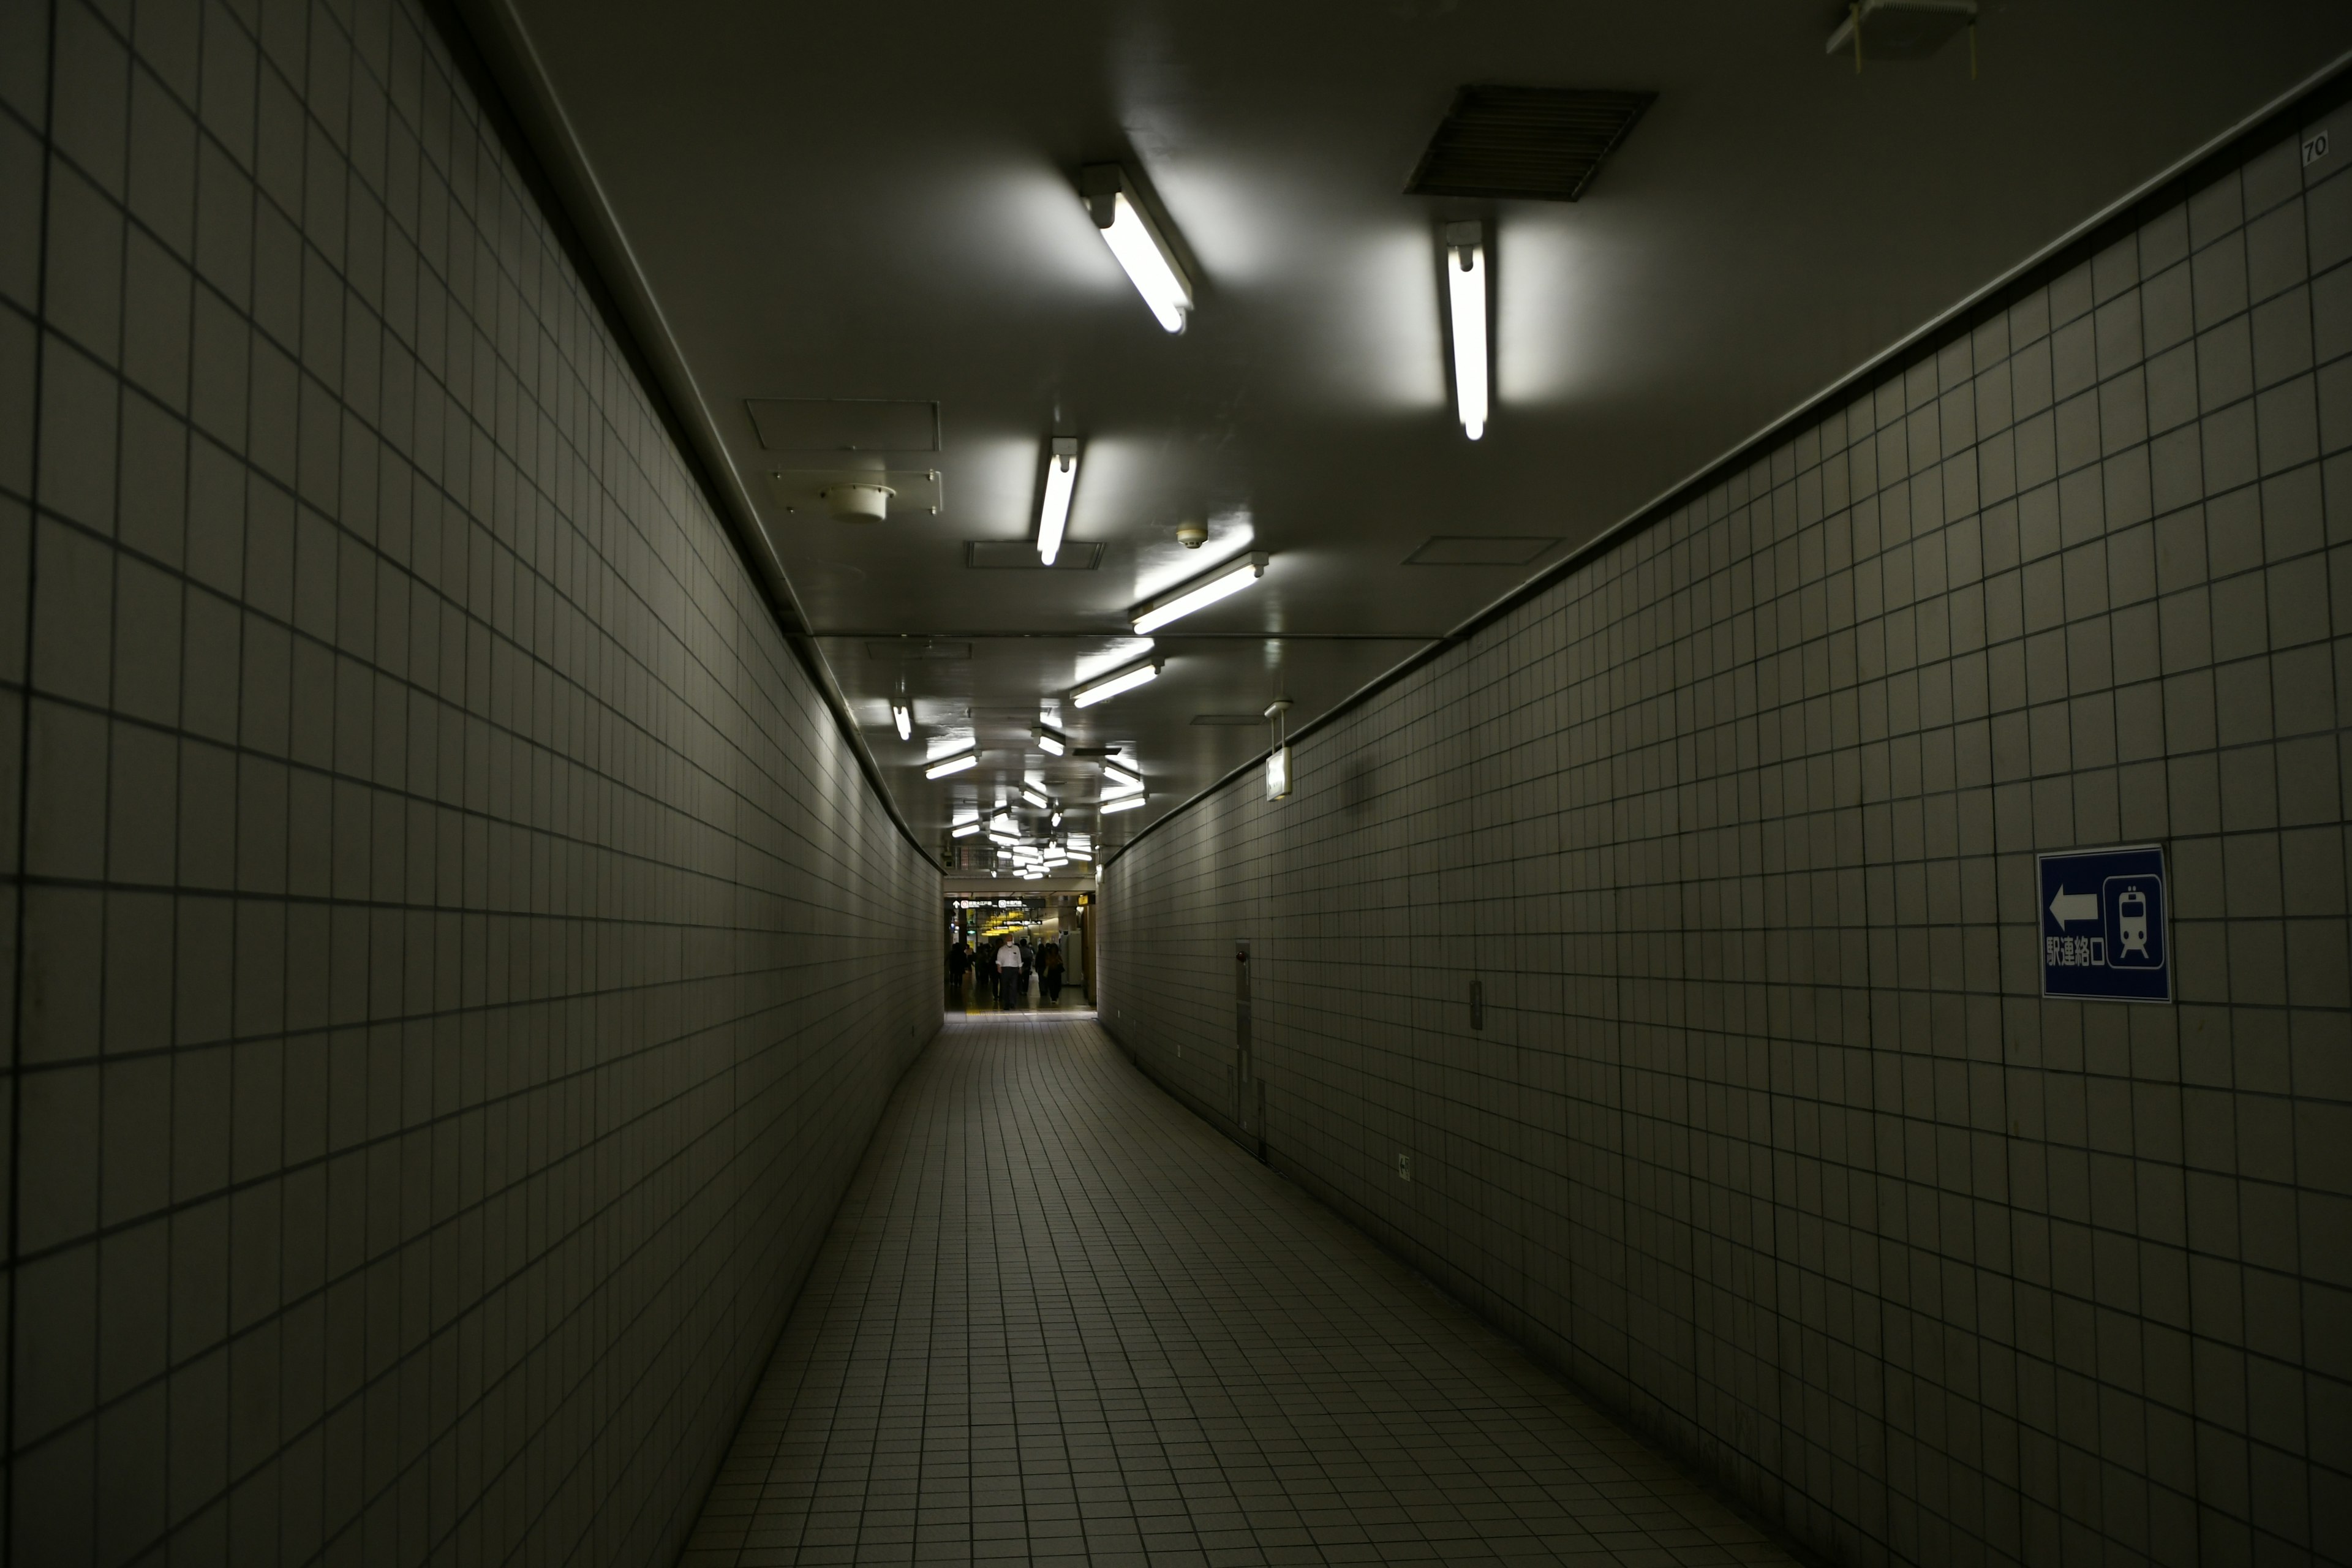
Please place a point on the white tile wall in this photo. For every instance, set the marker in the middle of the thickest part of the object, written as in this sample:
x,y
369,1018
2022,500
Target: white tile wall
x,y
1768,1137
461,959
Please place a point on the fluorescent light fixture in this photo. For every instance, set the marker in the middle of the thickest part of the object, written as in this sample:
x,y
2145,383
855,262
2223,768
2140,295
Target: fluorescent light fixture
x,y
904,717
1223,584
1136,242
1124,803
964,830
1058,817
1115,774
1465,293
1277,772
1037,798
1054,511
955,765
1006,838
1052,741
1003,823
1110,686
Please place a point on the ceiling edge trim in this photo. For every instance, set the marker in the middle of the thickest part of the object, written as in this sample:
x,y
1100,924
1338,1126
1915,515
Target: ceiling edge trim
x,y
2321,90
498,55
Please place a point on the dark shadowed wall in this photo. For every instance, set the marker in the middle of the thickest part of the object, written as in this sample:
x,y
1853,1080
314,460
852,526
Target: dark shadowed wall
x,y
460,958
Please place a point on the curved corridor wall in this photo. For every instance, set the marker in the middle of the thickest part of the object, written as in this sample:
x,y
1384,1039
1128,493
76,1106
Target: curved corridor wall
x,y
1768,1138
461,958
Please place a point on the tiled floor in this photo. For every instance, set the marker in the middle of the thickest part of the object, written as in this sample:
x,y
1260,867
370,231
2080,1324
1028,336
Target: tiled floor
x,y
1060,1320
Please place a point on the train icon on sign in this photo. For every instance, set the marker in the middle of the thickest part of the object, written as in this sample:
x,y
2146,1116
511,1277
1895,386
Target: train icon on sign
x,y
2131,921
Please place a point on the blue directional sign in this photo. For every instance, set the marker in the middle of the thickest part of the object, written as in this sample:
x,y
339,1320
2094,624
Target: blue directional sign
x,y
2104,933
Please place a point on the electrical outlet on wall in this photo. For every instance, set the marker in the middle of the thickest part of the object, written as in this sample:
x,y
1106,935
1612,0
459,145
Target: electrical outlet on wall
x,y
1405,1166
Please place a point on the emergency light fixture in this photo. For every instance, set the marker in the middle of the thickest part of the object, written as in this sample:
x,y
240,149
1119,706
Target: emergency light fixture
x,y
1132,237
1110,686
1277,756
1222,583
1465,296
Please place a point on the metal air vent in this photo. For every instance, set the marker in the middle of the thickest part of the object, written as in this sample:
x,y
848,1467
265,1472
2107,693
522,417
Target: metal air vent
x,y
1531,143
1021,554
919,647
1478,550
845,425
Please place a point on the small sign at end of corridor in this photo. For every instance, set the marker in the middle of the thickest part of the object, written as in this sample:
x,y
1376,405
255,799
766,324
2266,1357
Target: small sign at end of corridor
x,y
2105,925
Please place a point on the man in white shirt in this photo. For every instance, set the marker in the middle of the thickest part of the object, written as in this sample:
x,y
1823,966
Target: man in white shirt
x,y
1008,973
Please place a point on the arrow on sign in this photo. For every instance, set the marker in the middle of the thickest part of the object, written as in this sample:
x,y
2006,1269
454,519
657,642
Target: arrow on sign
x,y
2069,906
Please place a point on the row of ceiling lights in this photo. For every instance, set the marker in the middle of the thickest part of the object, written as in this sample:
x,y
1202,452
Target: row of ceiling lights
x,y
1151,263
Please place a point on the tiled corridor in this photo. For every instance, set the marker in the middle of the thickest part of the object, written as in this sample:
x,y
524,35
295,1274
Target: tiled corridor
x,y
1059,1318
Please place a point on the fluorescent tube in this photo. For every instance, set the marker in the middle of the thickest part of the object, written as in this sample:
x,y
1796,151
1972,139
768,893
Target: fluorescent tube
x,y
1110,686
1052,742
1115,774
1142,249
1124,803
966,754
904,717
1054,511
1465,290
964,830
1037,798
1235,576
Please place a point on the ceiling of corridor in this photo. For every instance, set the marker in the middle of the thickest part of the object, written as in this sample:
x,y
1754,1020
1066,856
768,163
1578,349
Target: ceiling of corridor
x,y
879,201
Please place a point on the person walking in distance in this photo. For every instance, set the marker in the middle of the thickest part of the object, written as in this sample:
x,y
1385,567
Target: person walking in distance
x,y
1049,973
1028,963
958,960
1010,968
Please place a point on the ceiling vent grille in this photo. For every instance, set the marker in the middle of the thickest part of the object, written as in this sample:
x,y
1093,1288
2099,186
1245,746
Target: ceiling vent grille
x,y
1021,555
1478,550
1528,143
